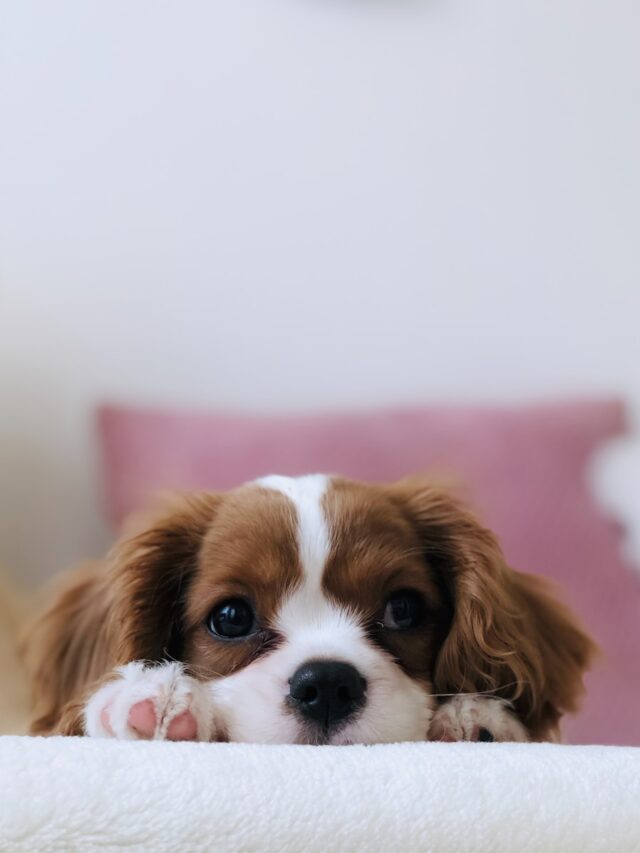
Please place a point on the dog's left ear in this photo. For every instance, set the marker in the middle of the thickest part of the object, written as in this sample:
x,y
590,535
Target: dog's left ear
x,y
504,631
129,607
149,572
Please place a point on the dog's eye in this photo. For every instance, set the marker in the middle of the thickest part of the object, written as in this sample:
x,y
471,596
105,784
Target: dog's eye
x,y
403,610
231,619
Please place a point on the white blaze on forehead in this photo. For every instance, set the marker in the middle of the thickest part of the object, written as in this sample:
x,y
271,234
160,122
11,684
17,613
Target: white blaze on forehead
x,y
314,625
307,616
306,494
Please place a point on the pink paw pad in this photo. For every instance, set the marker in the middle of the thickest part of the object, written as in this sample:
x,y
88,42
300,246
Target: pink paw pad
x,y
447,737
443,734
183,727
142,718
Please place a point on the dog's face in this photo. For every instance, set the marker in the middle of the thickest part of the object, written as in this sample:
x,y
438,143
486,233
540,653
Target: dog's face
x,y
313,602
327,611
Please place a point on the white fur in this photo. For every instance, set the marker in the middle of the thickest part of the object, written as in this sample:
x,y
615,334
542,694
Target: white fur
x,y
306,494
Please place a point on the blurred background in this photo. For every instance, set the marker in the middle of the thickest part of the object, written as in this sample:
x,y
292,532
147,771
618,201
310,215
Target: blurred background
x,y
284,207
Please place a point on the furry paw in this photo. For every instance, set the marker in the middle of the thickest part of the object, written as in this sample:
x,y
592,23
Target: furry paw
x,y
476,718
151,703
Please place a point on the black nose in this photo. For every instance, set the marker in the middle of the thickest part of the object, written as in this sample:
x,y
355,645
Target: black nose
x,y
327,691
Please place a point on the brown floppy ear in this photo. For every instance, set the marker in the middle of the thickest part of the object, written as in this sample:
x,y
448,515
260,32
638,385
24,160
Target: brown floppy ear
x,y
150,574
127,608
503,631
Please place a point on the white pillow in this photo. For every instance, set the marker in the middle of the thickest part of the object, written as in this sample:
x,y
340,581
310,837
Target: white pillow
x,y
615,478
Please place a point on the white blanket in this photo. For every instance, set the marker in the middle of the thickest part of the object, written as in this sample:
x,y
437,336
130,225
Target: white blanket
x,y
80,794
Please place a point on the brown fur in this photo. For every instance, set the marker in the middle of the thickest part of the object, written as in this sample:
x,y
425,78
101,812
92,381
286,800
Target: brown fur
x,y
375,552
104,615
508,634
489,628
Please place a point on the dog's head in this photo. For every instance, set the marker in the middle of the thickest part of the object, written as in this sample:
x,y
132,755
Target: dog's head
x,y
328,611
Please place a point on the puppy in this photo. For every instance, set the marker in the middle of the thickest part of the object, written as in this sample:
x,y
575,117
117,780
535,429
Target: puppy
x,y
312,610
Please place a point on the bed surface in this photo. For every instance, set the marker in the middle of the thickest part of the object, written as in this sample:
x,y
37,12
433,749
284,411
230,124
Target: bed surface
x,y
82,794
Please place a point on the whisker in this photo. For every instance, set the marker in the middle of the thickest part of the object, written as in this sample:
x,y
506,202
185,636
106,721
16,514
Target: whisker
x,y
479,692
200,672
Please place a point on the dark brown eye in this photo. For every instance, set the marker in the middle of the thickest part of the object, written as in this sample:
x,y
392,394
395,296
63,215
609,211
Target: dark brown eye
x,y
232,619
403,610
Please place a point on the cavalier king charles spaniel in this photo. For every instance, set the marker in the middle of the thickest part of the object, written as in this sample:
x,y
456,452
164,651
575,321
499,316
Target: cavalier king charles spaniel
x,y
310,610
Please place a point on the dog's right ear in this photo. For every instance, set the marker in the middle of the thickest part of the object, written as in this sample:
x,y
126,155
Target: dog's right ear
x,y
128,608
506,634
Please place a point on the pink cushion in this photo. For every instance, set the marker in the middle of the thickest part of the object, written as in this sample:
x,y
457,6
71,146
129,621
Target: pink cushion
x,y
524,469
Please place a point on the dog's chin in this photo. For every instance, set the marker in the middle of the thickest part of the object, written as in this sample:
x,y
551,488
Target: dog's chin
x,y
364,729
311,735
361,732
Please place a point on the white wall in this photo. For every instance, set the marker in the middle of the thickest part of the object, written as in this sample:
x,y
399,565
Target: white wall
x,y
303,203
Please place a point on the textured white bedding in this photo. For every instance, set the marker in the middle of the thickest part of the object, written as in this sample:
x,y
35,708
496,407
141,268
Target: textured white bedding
x,y
84,794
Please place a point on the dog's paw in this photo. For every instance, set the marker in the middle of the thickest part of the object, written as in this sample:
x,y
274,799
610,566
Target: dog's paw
x,y
151,703
476,718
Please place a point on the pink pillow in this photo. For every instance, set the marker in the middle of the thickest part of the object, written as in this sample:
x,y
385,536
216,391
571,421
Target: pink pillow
x,y
524,469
